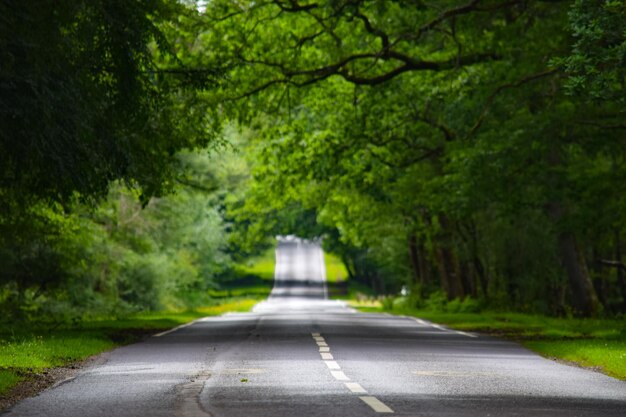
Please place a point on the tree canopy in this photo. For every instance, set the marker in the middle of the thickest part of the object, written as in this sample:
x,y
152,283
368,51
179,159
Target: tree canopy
x,y
464,148
471,145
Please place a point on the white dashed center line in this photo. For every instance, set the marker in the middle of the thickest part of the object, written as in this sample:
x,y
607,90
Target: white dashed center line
x,y
376,404
335,371
339,375
356,388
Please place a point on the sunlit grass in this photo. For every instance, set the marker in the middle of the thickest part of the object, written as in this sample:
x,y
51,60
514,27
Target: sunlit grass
x,y
335,269
258,291
35,352
366,304
261,266
608,355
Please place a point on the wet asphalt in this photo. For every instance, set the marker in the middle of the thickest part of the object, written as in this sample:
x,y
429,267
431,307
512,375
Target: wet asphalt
x,y
300,354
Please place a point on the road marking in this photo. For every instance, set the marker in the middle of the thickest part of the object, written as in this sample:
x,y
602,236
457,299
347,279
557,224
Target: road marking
x,y
339,375
466,334
239,371
322,344
174,329
332,365
326,356
455,373
324,349
356,387
376,404
319,339
315,334
189,396
436,326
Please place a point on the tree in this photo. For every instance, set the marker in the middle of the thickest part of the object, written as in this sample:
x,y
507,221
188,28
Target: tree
x,y
84,101
436,119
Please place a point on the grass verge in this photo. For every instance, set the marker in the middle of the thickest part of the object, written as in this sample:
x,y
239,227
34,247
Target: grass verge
x,y
335,269
599,344
29,350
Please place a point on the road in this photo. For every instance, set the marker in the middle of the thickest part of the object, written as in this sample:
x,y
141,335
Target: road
x,y
300,354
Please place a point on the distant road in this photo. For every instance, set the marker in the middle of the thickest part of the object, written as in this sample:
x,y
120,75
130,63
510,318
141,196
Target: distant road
x,y
300,354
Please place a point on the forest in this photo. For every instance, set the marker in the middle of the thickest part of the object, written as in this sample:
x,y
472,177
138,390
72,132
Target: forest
x,y
470,151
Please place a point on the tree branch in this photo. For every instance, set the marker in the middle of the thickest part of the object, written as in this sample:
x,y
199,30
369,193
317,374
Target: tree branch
x,y
613,264
503,87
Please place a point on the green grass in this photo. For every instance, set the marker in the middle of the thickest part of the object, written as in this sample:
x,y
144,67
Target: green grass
x,y
8,379
608,355
261,266
29,348
335,269
596,343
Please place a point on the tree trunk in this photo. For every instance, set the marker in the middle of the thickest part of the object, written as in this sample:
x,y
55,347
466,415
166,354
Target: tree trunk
x,y
419,264
349,267
584,298
450,282
482,277
448,265
414,258
620,271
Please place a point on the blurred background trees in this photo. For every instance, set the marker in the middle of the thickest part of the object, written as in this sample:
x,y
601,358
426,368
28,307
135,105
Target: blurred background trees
x,y
462,149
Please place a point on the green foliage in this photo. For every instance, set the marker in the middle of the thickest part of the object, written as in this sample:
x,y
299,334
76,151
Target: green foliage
x,y
471,151
84,101
596,65
120,256
453,146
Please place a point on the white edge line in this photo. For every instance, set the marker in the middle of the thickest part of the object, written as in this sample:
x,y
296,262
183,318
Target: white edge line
x,y
436,326
466,333
174,329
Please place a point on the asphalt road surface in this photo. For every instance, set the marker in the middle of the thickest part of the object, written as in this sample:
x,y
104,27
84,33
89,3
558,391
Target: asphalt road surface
x,y
300,354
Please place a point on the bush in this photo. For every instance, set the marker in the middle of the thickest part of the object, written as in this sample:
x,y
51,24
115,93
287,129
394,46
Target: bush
x,y
437,301
470,305
387,302
400,303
